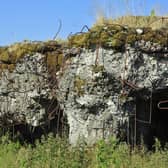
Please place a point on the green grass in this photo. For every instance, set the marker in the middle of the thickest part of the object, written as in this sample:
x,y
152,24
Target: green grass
x,y
57,153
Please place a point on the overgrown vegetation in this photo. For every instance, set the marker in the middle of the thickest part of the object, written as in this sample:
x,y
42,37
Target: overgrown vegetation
x,y
57,153
51,49
108,33
114,35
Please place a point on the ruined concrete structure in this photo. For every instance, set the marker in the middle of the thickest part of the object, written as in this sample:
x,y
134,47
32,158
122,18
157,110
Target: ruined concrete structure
x,y
114,82
119,95
28,104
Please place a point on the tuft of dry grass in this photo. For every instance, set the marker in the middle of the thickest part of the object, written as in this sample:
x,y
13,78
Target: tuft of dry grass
x,y
155,22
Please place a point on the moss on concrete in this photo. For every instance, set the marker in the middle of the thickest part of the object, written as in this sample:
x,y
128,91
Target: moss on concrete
x,y
97,68
11,54
157,36
79,40
54,60
3,67
113,36
116,36
79,85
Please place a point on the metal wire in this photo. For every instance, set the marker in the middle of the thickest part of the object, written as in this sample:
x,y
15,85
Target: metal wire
x,y
53,82
162,102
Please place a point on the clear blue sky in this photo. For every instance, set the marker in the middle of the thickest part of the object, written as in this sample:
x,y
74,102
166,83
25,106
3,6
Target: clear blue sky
x,y
38,19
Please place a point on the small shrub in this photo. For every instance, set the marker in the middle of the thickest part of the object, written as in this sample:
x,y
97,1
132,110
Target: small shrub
x,y
55,152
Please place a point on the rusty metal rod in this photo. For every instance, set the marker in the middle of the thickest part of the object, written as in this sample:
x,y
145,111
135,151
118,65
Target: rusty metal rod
x,y
162,102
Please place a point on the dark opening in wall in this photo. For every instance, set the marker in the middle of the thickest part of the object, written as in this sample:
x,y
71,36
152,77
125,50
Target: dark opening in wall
x,y
151,118
57,124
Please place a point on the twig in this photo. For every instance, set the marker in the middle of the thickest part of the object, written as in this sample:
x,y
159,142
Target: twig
x,y
59,29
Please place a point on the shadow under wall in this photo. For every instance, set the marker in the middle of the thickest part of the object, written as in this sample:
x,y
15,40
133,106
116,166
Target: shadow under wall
x,y
25,133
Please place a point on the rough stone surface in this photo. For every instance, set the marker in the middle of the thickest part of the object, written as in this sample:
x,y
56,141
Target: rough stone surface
x,y
95,88
94,95
22,91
